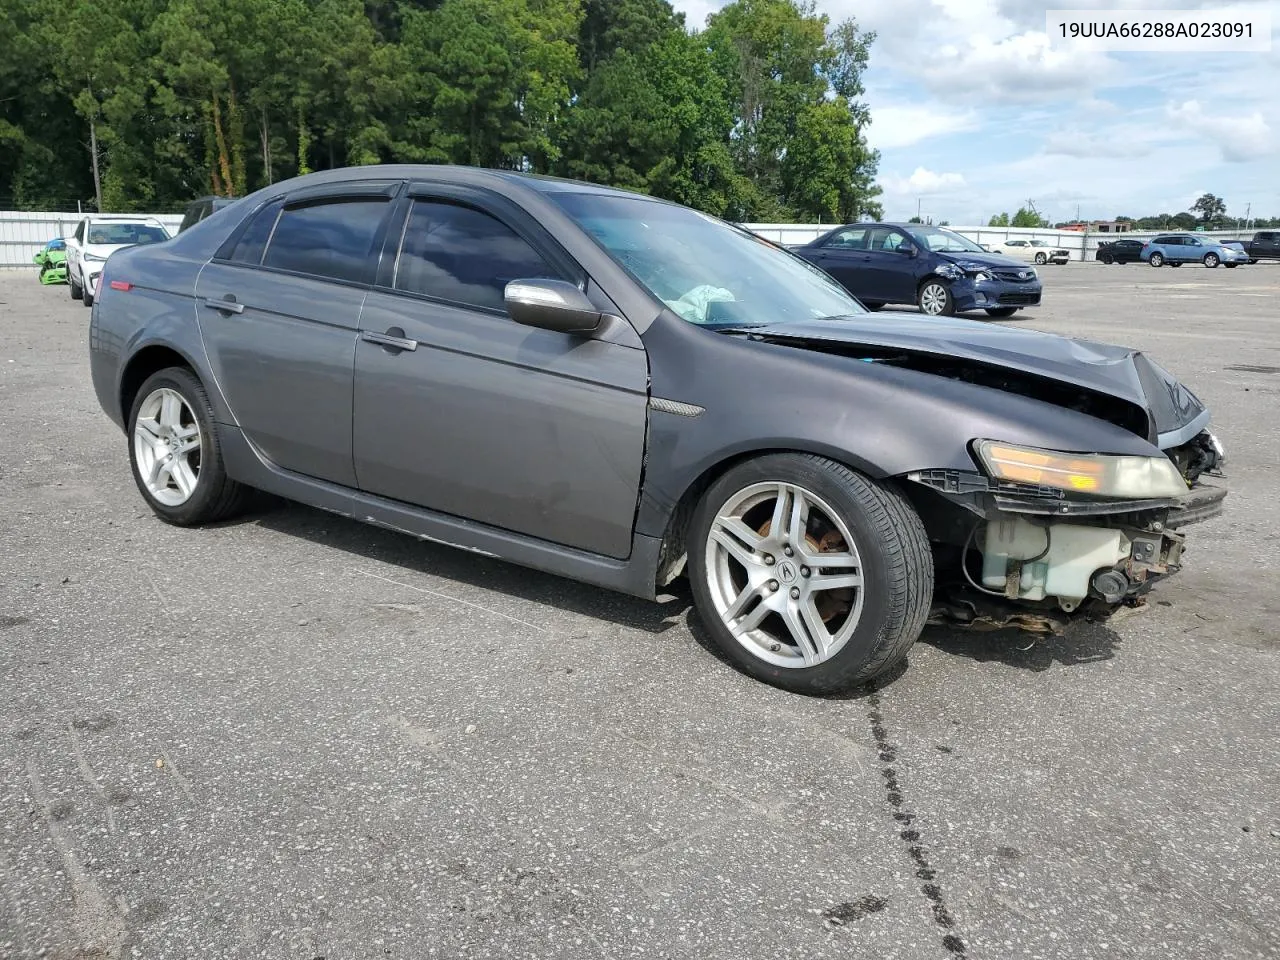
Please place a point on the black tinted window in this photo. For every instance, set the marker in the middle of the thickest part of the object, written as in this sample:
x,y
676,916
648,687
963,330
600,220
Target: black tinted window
x,y
254,239
331,240
195,213
460,254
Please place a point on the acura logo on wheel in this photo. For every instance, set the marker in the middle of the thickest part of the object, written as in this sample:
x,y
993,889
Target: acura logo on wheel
x,y
786,572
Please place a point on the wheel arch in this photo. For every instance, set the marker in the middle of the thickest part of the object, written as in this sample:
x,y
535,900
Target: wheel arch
x,y
672,554
144,362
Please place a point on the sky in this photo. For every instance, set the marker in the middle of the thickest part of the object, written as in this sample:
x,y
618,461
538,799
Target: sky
x,y
975,112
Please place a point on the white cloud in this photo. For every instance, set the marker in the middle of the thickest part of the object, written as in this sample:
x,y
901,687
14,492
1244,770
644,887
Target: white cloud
x,y
1022,68
1240,138
901,125
922,182
1115,142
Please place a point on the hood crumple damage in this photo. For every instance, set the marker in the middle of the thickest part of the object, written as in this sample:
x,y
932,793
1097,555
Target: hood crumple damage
x,y
1116,384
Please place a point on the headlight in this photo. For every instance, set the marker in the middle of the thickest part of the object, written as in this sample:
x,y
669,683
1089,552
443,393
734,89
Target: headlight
x,y
982,275
1138,478
948,270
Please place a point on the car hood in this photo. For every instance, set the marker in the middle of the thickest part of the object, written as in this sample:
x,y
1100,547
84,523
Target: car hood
x,y
982,259
1174,414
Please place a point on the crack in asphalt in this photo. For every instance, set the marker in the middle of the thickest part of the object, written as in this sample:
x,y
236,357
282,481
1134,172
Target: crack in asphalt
x,y
909,834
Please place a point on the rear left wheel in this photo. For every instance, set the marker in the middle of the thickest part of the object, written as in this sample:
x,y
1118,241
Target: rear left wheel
x,y
174,451
808,575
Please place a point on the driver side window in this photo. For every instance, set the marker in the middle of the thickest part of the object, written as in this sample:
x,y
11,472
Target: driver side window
x,y
887,239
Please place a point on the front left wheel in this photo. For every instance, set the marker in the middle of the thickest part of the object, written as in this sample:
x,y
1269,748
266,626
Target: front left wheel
x,y
935,299
1211,260
808,575
174,451
1041,259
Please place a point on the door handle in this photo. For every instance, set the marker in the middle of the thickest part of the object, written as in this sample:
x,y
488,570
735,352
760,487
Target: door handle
x,y
394,339
226,305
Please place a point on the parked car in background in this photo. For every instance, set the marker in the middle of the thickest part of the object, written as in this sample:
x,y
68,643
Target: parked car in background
x,y
197,210
1265,245
1241,247
618,389
1175,249
1120,251
96,238
935,268
52,261
1031,251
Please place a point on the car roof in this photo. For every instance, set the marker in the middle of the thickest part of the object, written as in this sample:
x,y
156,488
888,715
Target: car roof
x,y
121,218
454,174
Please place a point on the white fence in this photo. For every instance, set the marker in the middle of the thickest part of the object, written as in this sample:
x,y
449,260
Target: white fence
x,y
23,234
1082,246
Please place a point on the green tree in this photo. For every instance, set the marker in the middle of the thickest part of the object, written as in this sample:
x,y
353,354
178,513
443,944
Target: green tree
x,y
1027,217
999,220
1210,208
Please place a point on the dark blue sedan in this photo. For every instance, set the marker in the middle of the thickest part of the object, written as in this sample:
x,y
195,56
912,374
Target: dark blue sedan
x,y
937,269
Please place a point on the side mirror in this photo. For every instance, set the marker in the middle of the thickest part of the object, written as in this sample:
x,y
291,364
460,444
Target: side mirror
x,y
908,248
551,305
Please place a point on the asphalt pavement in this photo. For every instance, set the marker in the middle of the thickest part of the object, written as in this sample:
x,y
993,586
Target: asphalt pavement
x,y
296,736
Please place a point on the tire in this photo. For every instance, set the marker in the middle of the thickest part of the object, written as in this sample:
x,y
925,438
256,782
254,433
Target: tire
x,y
1211,260
1041,259
1107,260
870,626
86,296
937,296
1001,311
1175,263
1156,259
72,287
1231,266
210,495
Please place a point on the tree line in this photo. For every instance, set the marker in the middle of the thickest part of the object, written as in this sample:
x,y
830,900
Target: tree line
x,y
1209,211
146,104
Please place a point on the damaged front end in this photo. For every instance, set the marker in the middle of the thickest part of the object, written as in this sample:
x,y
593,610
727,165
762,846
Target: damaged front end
x,y
1041,538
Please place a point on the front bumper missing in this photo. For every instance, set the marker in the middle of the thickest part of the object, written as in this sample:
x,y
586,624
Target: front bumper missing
x,y
1045,558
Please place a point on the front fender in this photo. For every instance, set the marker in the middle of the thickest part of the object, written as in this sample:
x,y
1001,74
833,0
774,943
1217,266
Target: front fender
x,y
880,420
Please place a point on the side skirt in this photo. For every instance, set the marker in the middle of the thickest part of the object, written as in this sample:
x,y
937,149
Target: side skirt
x,y
634,576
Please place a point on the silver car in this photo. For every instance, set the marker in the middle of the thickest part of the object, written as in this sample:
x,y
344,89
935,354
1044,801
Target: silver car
x,y
625,391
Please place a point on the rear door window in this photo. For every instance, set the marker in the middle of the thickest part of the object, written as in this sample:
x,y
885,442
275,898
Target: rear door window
x,y
332,239
854,238
458,253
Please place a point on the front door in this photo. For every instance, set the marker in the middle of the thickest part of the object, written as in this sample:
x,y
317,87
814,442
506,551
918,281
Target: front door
x,y
890,274
280,322
461,410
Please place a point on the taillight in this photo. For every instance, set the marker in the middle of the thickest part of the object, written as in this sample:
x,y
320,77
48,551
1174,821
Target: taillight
x,y
121,285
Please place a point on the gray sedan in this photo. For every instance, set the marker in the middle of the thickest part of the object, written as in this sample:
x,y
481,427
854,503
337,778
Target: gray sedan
x,y
625,391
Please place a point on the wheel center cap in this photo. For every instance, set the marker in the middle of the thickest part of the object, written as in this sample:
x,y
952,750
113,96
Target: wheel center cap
x,y
787,572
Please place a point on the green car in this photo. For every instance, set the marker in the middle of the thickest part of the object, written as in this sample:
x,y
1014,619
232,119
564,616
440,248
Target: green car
x,y
52,261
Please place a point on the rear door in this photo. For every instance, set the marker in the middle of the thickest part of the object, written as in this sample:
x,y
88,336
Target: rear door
x,y
279,309
461,410
844,256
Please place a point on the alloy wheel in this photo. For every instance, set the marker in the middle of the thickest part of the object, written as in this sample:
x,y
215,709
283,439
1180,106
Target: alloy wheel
x,y
166,445
1211,260
784,574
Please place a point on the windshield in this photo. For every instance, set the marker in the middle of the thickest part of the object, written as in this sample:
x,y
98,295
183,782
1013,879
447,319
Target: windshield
x,y
114,233
943,241
705,270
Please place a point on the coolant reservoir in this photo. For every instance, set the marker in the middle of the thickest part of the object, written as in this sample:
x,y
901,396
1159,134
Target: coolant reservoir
x,y
1074,554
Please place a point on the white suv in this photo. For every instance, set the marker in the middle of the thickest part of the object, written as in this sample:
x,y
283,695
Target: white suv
x,y
95,239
